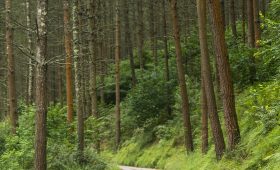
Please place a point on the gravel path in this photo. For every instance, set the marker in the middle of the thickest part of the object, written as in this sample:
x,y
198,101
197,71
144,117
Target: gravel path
x,y
133,168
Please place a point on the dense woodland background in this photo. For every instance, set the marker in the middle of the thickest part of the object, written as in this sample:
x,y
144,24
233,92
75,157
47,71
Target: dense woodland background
x,y
175,85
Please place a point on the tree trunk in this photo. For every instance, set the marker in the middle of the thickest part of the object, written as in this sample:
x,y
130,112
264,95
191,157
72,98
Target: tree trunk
x,y
251,39
225,76
209,105
12,99
78,53
117,65
204,119
68,51
92,44
140,33
182,81
222,2
41,96
244,20
30,64
129,45
152,32
233,18
257,28
166,61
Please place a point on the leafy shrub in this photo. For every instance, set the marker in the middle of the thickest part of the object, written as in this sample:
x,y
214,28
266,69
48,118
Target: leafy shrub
x,y
146,103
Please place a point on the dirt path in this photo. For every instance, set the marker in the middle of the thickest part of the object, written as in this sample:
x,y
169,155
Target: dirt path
x,y
133,168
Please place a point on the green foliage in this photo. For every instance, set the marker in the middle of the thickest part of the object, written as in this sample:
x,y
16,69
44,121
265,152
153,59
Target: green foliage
x,y
102,128
259,148
17,151
145,105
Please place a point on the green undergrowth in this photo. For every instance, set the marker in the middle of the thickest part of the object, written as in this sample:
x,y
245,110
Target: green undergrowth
x,y
258,110
17,151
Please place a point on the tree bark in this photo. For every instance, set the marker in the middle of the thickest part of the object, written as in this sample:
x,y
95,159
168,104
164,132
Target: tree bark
x,y
208,96
152,32
225,76
30,64
78,54
233,18
41,96
166,60
92,44
182,81
222,2
257,28
12,99
140,33
117,76
129,45
204,119
68,51
251,39
244,20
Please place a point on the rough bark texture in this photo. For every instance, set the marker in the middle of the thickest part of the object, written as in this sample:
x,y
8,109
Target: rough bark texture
x,y
257,22
222,2
233,18
152,32
140,33
29,40
92,47
244,20
182,81
207,88
117,65
12,100
251,39
68,51
129,45
41,96
226,84
250,16
204,119
166,60
78,53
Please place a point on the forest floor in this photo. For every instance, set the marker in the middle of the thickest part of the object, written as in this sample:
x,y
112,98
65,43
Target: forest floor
x,y
133,168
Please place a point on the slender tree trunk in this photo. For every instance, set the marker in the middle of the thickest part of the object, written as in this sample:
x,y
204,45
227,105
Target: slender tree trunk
x,y
233,18
225,76
251,39
78,53
41,96
244,20
117,63
257,28
251,31
222,2
209,105
129,45
68,50
29,40
102,76
204,119
12,99
166,60
92,44
152,32
182,81
140,33
59,84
